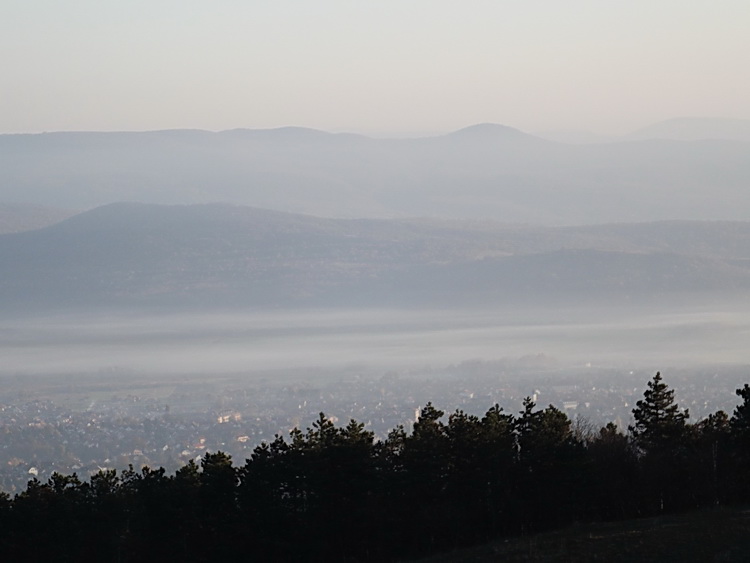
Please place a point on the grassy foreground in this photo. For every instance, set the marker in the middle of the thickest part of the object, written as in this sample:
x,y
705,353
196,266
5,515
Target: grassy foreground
x,y
715,535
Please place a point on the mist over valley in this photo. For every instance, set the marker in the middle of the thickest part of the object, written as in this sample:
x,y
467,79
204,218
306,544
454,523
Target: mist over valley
x,y
486,242
261,277
226,288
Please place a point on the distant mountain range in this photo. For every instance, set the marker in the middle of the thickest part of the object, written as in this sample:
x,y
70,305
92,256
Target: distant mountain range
x,y
677,129
482,172
199,256
696,129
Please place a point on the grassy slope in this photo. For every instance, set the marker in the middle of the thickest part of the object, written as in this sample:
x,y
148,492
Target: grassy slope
x,y
721,534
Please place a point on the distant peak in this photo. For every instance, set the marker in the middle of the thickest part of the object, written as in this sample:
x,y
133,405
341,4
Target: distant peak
x,y
487,130
493,133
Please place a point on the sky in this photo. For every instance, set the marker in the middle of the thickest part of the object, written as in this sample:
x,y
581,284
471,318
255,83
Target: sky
x,y
381,67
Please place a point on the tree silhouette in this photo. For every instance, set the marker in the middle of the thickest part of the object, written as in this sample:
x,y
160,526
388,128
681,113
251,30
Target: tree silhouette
x,y
336,494
740,427
659,422
741,417
659,434
547,465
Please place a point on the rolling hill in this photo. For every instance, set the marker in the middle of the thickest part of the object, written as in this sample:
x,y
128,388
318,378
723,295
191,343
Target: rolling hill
x,y
222,255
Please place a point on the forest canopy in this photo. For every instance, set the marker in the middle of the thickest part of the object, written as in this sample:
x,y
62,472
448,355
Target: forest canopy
x,y
335,493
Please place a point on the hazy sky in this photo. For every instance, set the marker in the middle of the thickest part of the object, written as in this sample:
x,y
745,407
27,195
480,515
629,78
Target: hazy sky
x,y
385,66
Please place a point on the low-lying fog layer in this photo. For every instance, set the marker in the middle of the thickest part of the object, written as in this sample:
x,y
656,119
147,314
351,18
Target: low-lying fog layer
x,y
375,338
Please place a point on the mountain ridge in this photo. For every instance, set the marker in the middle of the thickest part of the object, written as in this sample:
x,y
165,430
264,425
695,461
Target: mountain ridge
x,y
486,171
130,254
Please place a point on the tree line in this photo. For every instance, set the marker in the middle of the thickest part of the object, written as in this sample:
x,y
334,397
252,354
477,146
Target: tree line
x,y
338,494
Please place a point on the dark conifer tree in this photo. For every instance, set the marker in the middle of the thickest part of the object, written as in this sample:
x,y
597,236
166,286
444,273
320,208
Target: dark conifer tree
x,y
548,466
740,429
660,435
612,475
659,422
710,464
740,421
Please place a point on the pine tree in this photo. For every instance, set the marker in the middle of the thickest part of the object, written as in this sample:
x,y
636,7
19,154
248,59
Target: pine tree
x,y
741,417
659,422
660,435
